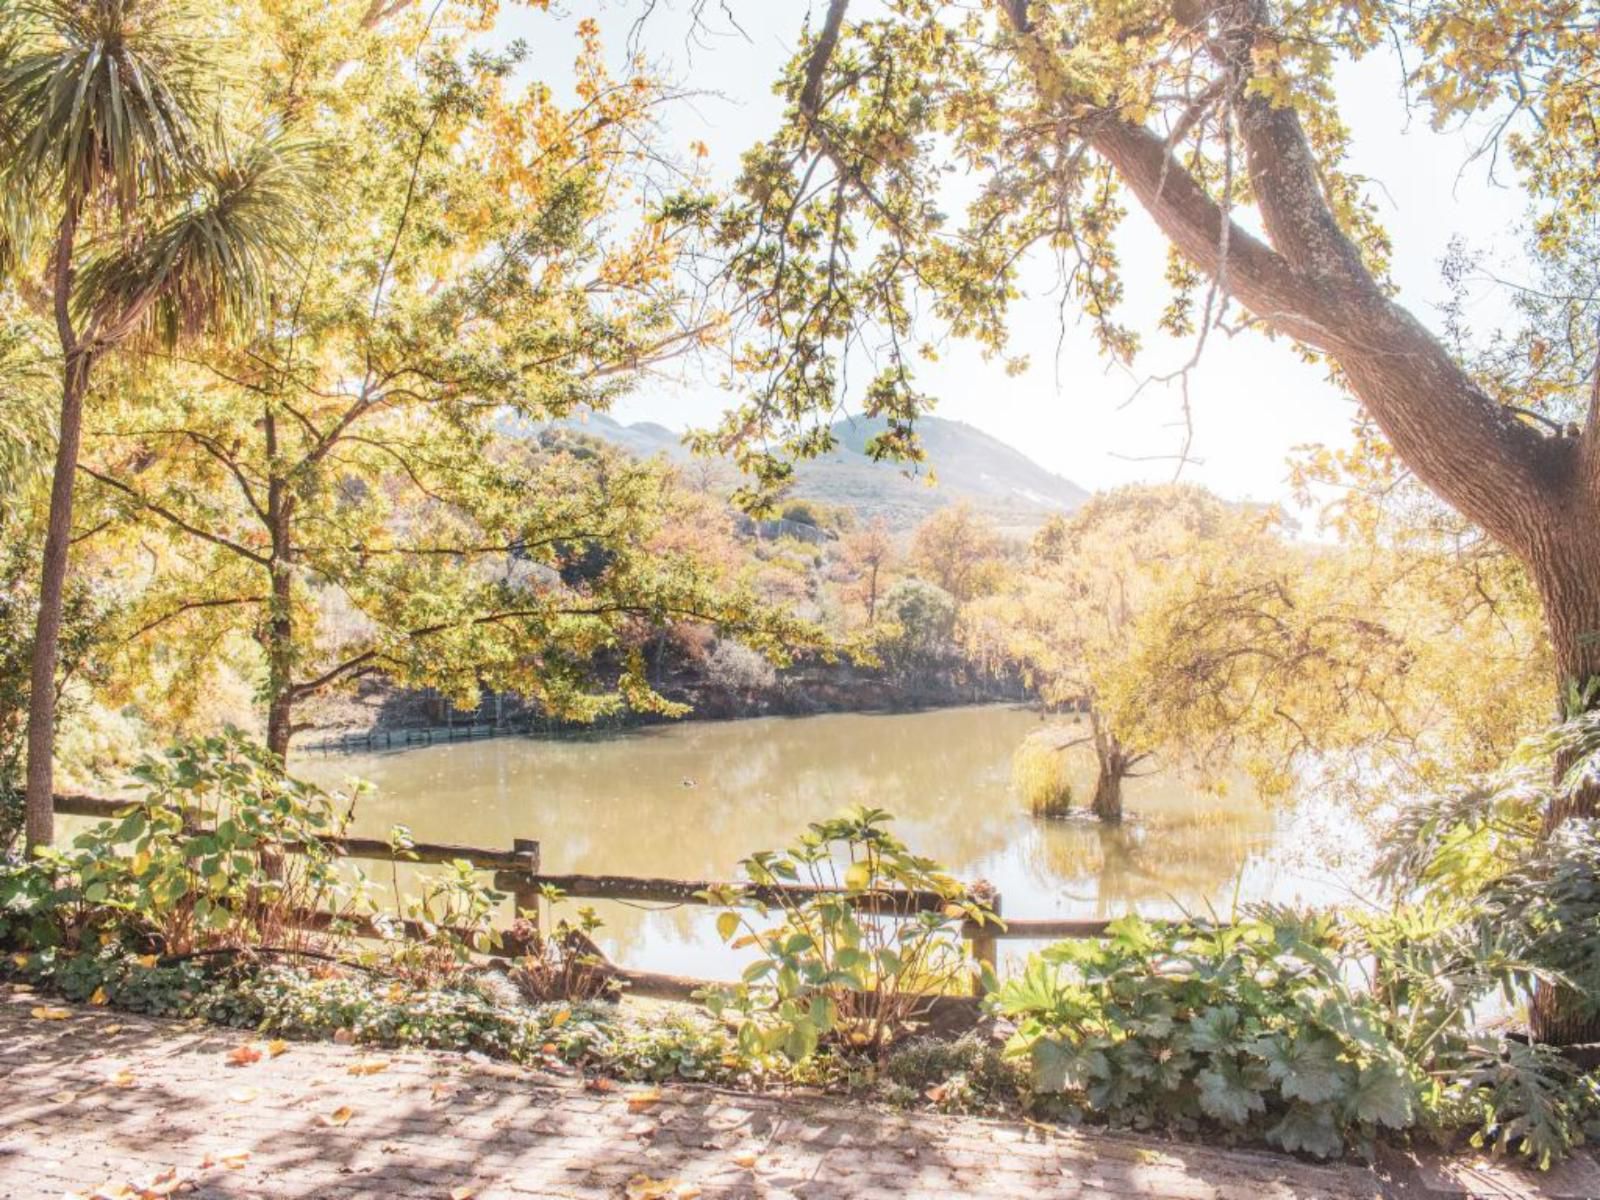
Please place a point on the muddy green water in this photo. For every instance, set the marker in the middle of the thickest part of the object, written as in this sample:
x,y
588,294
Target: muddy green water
x,y
690,800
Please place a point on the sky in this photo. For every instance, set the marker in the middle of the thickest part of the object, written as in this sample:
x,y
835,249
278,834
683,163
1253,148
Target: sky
x,y
1253,400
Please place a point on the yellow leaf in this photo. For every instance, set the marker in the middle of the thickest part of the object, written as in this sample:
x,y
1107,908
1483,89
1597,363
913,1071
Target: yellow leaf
x,y
63,1097
857,877
110,1030
747,1159
146,960
339,1116
46,1013
561,1018
277,1047
243,1095
122,1079
642,1187
234,1159
369,1066
21,960
639,1101
463,1192
99,997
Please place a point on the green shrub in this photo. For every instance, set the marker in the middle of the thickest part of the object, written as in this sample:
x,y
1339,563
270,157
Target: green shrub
x,y
854,962
1249,1026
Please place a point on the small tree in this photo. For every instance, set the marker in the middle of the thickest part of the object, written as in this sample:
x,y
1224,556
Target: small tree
x,y
960,550
867,555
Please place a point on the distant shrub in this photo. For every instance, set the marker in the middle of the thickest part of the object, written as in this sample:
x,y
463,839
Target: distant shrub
x,y
738,668
1039,773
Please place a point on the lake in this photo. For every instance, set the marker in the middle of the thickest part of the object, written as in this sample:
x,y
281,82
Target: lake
x,y
690,800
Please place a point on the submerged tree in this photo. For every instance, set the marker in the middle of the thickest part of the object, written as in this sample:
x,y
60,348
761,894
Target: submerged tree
x,y
1186,629
163,223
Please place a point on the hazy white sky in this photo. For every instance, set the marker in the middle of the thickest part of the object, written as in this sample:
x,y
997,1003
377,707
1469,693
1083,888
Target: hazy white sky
x,y
1253,400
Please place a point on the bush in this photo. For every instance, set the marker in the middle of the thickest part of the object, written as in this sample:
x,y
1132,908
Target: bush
x,y
854,963
1250,1027
1039,773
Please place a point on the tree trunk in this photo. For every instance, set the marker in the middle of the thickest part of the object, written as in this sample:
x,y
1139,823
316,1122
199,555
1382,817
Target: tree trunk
x,y
278,637
1113,762
40,812
1568,578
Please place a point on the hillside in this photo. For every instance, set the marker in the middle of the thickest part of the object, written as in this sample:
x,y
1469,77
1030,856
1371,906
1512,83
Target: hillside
x,y
964,463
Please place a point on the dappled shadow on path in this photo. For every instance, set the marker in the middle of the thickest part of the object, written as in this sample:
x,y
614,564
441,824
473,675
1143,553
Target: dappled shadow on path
x,y
101,1098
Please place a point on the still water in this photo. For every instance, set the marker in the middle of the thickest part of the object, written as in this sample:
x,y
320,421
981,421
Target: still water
x,y
689,800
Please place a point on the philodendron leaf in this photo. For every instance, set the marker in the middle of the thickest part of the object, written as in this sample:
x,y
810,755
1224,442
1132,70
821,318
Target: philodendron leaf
x,y
1384,1096
1309,1128
1226,1095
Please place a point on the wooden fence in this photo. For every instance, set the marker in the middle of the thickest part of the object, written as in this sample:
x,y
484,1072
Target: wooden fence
x,y
517,871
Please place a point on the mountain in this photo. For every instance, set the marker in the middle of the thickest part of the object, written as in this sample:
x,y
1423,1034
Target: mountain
x,y
963,463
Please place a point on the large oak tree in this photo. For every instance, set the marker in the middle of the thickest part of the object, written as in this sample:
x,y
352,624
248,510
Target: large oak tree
x,y
1221,120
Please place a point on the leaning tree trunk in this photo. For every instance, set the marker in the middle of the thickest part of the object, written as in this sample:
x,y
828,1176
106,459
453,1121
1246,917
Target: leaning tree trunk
x,y
40,812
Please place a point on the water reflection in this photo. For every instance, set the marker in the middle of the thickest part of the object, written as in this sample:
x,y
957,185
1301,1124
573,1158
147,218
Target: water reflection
x,y
690,800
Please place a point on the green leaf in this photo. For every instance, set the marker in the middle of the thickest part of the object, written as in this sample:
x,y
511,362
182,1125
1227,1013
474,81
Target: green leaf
x,y
1384,1096
1216,1030
1309,1129
1059,1065
1226,1095
1305,1067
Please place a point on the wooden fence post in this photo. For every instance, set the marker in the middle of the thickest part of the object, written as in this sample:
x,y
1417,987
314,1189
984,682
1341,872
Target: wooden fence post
x,y
985,945
526,894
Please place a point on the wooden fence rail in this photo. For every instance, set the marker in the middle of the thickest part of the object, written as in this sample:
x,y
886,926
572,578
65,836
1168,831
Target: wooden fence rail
x,y
518,872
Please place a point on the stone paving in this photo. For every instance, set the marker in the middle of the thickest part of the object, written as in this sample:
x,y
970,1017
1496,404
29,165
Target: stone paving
x,y
99,1103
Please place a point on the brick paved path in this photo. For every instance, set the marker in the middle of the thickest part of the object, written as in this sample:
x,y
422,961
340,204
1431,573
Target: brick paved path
x,y
106,1102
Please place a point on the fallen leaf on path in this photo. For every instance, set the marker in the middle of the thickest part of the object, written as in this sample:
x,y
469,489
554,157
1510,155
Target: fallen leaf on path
x,y
639,1101
122,1079
243,1055
45,1013
234,1160
463,1192
63,1097
99,998
158,1186
116,1190
344,1036
642,1187
243,1095
110,1030
746,1159
339,1116
368,1066
276,1047
443,1091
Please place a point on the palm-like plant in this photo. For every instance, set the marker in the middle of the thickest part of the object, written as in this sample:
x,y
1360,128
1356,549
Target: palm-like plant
x,y
160,229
